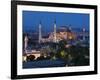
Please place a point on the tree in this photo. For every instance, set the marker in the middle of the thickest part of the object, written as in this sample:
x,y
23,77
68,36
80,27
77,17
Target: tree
x,y
78,55
30,58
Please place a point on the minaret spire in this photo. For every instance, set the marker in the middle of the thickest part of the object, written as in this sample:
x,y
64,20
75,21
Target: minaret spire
x,y
83,30
55,31
83,33
25,43
40,35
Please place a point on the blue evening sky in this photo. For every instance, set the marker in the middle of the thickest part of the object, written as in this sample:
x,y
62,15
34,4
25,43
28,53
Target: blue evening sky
x,y
31,20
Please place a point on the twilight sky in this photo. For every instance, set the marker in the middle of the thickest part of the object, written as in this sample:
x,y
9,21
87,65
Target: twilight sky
x,y
31,20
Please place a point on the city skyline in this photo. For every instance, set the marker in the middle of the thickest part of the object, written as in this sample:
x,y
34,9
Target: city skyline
x,y
52,44
32,19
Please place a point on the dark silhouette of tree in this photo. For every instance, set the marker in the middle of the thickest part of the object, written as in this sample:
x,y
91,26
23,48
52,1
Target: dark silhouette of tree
x,y
78,54
41,58
30,58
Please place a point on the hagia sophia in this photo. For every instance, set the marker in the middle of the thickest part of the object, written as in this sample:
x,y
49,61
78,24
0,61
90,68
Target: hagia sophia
x,y
58,34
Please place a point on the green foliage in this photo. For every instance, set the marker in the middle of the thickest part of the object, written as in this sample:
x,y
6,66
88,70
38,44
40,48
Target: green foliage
x,y
63,53
53,58
62,44
73,55
78,54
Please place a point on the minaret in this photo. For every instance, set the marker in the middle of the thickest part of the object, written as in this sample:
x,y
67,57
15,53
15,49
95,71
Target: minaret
x,y
70,29
83,34
25,43
40,35
83,30
55,31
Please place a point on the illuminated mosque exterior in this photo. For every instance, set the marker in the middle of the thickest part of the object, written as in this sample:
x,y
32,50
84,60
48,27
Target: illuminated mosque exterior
x,y
57,35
